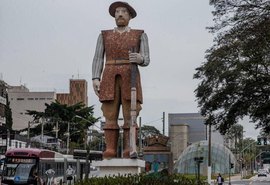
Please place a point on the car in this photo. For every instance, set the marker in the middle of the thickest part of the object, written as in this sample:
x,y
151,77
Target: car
x,y
262,172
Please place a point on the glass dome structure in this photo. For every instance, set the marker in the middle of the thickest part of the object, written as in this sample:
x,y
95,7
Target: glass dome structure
x,y
221,159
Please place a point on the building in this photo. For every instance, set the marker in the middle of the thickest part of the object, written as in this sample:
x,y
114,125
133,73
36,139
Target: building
x,y
77,93
21,100
188,128
3,101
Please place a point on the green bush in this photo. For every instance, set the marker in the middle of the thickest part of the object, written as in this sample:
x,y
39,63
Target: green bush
x,y
142,179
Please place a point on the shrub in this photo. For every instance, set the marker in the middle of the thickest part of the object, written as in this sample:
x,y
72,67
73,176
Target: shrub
x,y
142,179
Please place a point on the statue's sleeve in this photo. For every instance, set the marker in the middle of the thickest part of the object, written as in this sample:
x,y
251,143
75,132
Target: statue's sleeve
x,y
144,50
98,61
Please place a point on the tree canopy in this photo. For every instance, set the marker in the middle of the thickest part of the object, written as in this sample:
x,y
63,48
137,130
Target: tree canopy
x,y
77,116
234,79
148,130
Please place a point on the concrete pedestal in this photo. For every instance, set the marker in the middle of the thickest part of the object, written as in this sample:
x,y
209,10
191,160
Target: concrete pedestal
x,y
118,166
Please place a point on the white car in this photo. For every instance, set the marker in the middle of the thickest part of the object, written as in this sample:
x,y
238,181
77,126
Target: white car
x,y
262,172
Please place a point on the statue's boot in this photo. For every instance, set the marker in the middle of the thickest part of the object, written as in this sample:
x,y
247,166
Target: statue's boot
x,y
127,149
126,143
111,139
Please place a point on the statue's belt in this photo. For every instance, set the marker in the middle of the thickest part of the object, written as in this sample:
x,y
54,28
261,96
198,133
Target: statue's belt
x,y
117,62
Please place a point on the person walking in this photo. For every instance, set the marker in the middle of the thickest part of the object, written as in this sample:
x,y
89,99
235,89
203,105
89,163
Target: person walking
x,y
220,179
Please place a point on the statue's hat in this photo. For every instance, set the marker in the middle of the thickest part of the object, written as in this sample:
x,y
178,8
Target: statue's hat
x,y
117,4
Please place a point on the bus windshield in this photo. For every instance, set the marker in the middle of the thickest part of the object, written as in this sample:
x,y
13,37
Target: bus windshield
x,y
19,169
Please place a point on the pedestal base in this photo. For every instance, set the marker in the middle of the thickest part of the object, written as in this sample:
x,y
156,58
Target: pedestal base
x,y
110,167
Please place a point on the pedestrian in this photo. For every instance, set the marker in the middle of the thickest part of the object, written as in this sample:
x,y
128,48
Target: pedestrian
x,y
119,48
50,176
220,179
70,173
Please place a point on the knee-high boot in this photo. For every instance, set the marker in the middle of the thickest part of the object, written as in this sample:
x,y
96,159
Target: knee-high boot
x,y
126,143
111,139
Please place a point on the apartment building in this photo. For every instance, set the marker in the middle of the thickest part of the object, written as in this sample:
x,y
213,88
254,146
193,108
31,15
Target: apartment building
x,y
21,100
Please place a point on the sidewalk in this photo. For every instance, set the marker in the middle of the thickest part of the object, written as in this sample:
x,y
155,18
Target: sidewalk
x,y
235,177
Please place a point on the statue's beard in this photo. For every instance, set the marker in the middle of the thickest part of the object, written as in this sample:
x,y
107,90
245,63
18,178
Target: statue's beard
x,y
121,22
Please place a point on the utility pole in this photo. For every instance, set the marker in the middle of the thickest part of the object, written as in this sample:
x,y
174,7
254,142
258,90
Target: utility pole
x,y
140,138
28,134
229,169
209,169
163,121
42,130
68,134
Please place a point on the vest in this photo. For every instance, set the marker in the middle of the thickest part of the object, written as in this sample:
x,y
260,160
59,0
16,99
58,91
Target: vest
x,y
117,46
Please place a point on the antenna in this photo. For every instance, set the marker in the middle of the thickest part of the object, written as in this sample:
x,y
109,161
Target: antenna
x,y
78,74
1,76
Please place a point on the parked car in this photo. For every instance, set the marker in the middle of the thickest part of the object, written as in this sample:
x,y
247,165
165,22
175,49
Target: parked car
x,y
262,172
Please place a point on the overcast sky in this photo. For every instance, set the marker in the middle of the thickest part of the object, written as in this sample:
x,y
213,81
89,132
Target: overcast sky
x,y
44,43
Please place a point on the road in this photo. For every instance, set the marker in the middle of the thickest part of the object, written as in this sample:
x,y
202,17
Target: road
x,y
252,181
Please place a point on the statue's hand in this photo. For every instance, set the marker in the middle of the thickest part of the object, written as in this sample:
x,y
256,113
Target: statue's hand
x,y
96,86
135,58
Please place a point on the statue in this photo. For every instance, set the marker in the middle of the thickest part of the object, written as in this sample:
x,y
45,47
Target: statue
x,y
123,49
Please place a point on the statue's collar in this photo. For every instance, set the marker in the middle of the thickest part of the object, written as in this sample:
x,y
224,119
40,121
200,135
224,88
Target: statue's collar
x,y
126,29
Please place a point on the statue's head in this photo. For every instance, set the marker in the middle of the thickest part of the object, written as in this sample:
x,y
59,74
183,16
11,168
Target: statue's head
x,y
122,12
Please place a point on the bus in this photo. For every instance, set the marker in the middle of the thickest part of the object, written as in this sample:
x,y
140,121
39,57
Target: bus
x,y
24,165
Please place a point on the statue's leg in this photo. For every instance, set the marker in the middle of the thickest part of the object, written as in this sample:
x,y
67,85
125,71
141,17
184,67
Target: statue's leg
x,y
126,126
111,134
111,129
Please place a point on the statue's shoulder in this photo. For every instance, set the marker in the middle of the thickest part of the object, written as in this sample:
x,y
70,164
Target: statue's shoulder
x,y
107,31
137,30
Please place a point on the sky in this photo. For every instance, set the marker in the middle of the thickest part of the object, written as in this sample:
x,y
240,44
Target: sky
x,y
44,43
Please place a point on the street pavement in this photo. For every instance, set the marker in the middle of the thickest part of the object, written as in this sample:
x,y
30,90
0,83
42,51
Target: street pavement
x,y
255,180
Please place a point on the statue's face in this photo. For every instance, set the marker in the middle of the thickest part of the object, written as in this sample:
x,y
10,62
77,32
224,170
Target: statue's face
x,y
122,16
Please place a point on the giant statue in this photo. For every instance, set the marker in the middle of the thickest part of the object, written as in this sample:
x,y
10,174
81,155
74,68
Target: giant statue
x,y
116,78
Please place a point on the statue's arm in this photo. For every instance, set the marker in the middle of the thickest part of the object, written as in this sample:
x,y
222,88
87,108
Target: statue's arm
x,y
144,50
98,61
97,65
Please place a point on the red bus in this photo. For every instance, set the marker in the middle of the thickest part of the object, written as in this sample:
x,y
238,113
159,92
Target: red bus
x,y
23,166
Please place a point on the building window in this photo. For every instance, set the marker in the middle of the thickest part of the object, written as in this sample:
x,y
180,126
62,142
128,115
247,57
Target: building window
x,y
20,98
30,98
42,98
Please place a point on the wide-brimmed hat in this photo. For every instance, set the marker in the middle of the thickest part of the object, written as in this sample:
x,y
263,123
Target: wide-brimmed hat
x,y
117,4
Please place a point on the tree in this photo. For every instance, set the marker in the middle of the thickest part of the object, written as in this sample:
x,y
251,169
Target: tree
x,y
235,133
64,115
149,131
249,153
234,81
